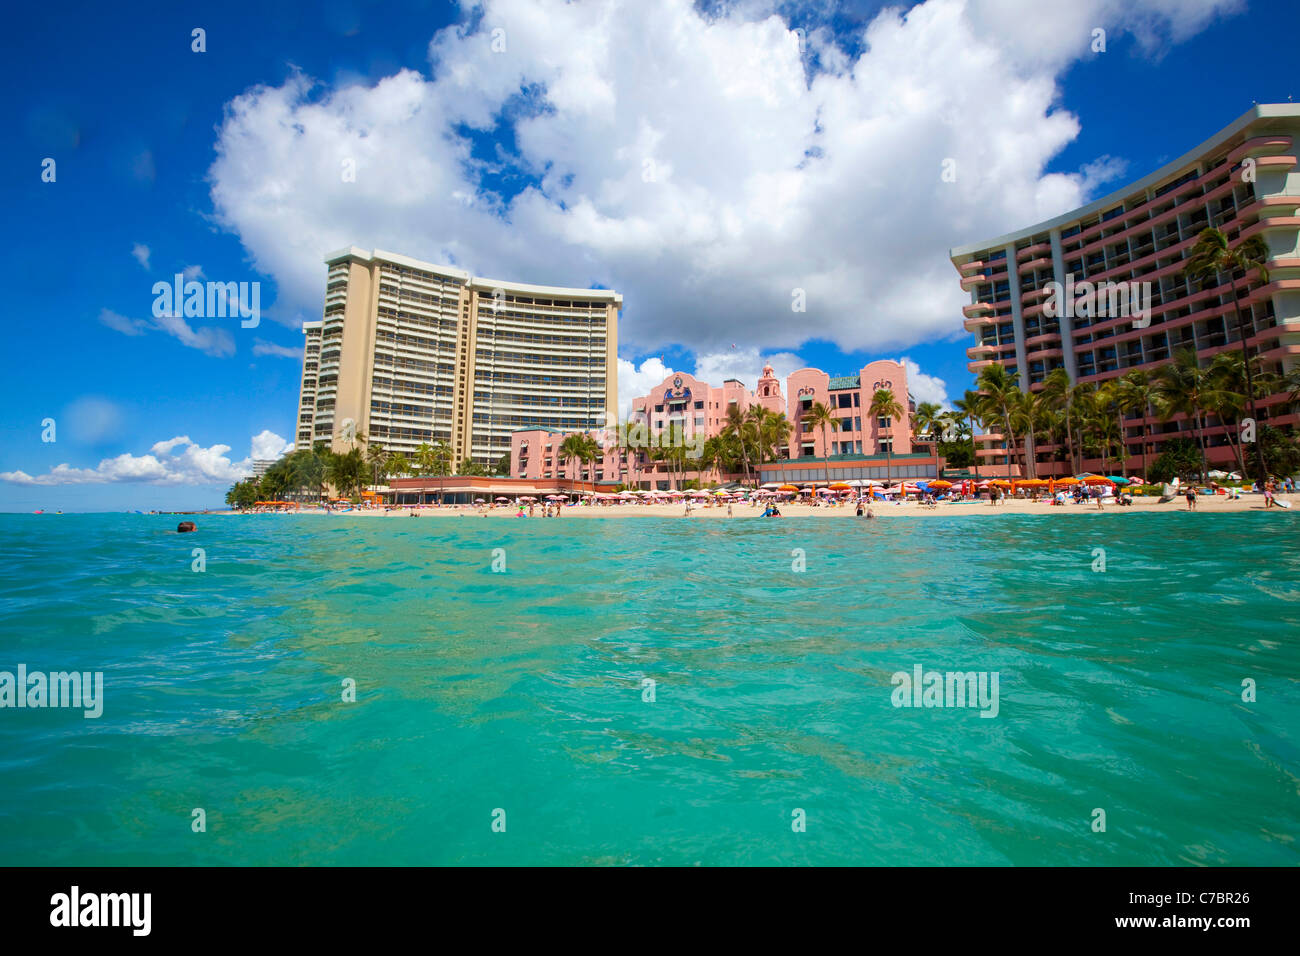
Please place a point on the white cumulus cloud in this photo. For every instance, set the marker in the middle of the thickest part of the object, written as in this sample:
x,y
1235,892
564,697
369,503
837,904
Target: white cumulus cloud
x,y
175,461
694,162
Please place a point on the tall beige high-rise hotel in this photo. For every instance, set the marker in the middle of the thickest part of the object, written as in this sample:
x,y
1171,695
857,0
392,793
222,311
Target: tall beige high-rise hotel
x,y
410,352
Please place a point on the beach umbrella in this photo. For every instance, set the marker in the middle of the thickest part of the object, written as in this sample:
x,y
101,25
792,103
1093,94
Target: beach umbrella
x,y
478,501
1119,480
1000,483
841,486
527,498
1067,481
503,499
1096,480
787,488
940,483
555,497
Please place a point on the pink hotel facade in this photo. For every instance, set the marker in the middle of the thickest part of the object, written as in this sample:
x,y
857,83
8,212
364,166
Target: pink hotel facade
x,y
856,450
1244,181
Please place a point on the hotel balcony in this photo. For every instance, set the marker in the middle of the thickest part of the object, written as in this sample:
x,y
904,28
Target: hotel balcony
x,y
1032,264
977,351
1260,145
970,310
1028,251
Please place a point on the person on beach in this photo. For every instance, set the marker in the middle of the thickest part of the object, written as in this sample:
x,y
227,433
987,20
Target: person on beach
x,y
860,510
728,509
1269,489
1191,497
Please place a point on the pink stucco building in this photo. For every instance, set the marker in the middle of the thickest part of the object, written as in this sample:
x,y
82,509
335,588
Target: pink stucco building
x,y
701,411
850,397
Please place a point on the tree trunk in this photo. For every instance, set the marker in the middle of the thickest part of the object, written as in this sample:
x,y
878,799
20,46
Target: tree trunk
x,y
1250,388
1200,428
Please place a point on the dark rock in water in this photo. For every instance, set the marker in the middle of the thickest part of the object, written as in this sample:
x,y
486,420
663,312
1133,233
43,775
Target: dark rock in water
x,y
185,526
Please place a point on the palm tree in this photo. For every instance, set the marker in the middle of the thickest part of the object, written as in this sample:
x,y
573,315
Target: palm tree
x,y
968,406
924,422
1110,402
713,454
821,416
1227,397
309,471
434,459
736,424
591,451
572,449
774,437
1184,388
885,405
628,441
1058,395
998,390
1137,392
395,465
1027,412
376,458
1212,255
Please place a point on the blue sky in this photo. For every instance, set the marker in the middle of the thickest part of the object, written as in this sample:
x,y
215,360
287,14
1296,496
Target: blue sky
x,y
155,149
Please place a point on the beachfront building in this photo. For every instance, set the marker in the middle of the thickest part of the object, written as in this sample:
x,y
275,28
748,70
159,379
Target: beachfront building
x,y
693,411
409,352
1243,181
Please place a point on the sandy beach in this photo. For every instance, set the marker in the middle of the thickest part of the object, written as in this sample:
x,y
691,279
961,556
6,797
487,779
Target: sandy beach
x,y
1216,504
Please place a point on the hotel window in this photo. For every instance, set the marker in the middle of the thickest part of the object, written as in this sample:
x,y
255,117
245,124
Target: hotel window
x,y
699,405
882,422
857,425
844,400
846,424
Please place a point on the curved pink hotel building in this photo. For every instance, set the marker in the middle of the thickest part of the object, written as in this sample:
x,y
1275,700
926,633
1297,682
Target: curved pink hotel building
x,y
1242,180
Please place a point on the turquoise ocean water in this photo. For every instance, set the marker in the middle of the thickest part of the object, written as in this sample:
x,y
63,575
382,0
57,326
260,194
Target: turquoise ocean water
x,y
522,691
